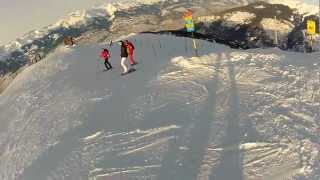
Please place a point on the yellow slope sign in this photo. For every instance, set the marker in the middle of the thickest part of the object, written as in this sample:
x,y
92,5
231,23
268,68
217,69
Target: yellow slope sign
x,y
311,27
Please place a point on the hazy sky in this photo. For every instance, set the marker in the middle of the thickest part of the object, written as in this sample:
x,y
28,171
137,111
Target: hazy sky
x,y
18,17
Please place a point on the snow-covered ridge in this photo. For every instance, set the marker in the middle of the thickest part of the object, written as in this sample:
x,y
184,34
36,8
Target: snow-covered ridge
x,y
83,17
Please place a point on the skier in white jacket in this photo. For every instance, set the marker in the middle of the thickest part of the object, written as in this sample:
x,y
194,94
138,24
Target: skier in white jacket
x,y
124,56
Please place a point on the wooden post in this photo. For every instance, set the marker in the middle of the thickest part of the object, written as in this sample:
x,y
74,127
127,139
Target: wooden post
x,y
311,43
276,33
195,45
186,45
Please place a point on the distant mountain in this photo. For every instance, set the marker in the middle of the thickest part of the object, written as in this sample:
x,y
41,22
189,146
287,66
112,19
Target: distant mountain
x,y
297,5
248,26
254,26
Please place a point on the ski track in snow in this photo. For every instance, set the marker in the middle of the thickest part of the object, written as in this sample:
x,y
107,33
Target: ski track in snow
x,y
226,114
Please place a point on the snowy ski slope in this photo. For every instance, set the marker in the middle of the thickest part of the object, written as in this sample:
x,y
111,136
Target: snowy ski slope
x,y
228,114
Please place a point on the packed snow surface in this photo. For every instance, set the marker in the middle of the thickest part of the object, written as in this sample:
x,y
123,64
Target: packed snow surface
x,y
227,114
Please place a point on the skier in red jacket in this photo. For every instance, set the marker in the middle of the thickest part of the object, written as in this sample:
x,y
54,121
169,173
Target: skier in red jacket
x,y
106,55
130,48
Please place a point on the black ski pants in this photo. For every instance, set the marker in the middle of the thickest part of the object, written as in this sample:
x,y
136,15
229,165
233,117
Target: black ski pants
x,y
107,64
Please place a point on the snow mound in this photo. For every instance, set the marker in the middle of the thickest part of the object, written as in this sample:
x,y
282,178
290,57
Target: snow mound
x,y
208,19
260,7
238,18
276,25
282,27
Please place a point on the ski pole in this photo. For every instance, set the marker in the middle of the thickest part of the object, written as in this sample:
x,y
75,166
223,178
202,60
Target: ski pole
x,y
97,65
